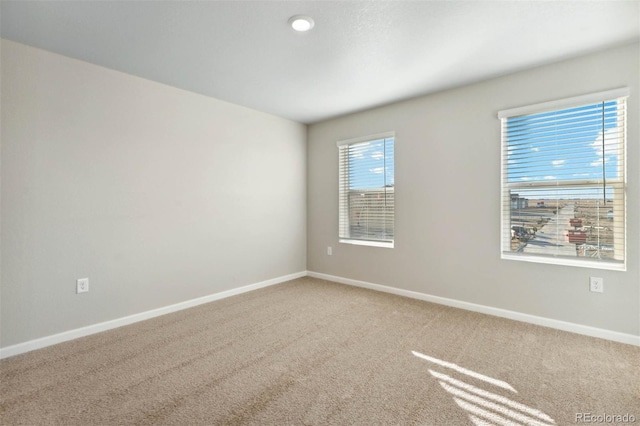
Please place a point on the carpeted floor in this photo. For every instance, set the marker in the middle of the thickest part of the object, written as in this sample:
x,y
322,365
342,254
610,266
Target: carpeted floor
x,y
311,352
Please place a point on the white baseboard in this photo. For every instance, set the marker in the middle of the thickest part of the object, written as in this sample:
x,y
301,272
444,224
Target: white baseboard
x,y
43,342
119,322
503,313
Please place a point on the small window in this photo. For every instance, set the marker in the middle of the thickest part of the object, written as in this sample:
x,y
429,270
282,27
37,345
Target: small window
x,y
366,190
564,181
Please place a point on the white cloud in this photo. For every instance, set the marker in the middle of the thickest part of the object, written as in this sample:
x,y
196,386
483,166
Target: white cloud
x,y
525,178
549,177
581,174
557,163
377,170
534,149
358,150
611,141
377,155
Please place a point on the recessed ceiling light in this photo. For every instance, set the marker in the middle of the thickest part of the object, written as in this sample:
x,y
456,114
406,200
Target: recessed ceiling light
x,y
301,23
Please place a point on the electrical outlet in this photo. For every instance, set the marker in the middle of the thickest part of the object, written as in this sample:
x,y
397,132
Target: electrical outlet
x,y
82,285
596,284
329,251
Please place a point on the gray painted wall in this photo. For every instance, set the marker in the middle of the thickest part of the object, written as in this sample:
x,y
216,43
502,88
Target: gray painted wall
x,y
159,195
156,194
447,177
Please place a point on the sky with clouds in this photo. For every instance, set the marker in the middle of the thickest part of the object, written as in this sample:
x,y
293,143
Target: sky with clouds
x,y
368,162
570,145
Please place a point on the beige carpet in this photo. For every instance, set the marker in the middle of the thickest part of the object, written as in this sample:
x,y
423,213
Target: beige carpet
x,y
310,352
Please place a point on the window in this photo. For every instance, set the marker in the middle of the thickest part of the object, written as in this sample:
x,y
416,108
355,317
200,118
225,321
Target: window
x,y
564,182
366,190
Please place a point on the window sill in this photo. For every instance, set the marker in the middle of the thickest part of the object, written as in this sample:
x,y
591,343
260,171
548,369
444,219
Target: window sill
x,y
384,244
612,266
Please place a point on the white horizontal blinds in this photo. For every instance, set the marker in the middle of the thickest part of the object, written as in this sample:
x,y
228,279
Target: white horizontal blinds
x,y
564,182
366,192
343,191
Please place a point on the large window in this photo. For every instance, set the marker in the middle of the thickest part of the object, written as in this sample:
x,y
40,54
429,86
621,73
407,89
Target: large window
x,y
564,183
366,190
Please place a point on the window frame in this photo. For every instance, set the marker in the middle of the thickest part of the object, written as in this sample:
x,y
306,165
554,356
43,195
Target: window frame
x,y
621,181
343,215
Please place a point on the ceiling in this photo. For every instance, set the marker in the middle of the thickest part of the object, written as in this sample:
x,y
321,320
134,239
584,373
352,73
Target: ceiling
x,y
360,54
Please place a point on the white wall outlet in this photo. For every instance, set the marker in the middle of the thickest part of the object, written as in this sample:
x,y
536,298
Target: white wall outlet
x,y
329,251
82,285
596,284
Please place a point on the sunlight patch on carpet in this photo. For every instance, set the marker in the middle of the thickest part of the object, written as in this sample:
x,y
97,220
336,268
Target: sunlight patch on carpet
x,y
485,407
462,370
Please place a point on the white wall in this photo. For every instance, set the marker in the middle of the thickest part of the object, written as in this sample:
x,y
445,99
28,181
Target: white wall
x,y
447,188
156,194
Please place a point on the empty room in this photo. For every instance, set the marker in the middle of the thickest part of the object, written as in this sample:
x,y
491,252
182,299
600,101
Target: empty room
x,y
320,212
